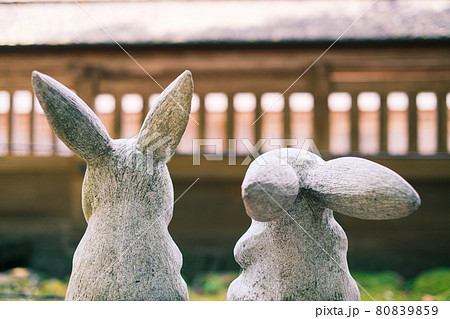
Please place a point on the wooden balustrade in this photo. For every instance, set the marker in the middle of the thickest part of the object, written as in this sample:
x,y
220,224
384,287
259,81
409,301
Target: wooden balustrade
x,y
321,120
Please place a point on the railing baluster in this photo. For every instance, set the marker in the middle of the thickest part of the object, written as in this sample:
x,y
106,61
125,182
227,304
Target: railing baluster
x,y
201,127
230,120
442,122
31,132
201,116
286,118
146,106
258,124
10,122
320,90
321,122
118,116
354,123
383,123
412,123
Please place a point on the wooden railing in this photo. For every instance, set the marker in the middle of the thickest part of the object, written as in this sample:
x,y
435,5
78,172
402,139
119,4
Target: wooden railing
x,y
387,124
396,123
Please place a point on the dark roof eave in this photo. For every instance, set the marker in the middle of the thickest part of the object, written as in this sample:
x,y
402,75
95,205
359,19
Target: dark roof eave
x,y
232,45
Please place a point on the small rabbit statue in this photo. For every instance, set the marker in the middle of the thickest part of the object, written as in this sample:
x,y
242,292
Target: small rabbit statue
x,y
126,252
294,248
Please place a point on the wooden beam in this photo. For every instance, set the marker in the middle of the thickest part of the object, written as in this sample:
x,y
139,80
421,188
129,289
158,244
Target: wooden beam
x,y
181,167
387,87
411,168
44,164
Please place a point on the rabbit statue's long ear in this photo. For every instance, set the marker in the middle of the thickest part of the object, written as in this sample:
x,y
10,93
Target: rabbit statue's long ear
x,y
70,118
269,189
167,119
362,189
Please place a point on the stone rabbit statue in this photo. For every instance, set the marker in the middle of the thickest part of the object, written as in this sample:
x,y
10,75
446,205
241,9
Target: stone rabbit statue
x,y
127,252
294,248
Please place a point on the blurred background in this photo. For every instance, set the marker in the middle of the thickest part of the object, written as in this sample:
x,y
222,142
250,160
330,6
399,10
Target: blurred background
x,y
381,92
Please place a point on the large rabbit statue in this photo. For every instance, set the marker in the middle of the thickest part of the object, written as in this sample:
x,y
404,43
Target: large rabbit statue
x,y
294,248
126,252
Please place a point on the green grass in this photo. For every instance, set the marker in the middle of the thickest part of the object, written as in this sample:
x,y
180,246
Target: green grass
x,y
434,284
25,284
430,285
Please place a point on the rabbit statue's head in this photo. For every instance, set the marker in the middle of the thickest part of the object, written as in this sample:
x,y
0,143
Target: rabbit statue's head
x,y
294,249
123,170
348,185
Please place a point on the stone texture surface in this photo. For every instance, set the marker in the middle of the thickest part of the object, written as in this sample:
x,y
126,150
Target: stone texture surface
x,y
127,252
294,248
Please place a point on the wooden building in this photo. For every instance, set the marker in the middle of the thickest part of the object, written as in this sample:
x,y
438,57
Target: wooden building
x,y
381,91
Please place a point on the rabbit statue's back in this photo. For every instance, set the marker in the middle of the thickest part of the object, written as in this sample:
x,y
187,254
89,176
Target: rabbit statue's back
x,y
126,252
294,248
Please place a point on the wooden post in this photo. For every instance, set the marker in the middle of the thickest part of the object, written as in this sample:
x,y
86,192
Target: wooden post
x,y
76,180
31,132
286,118
10,122
412,123
146,106
86,86
383,123
354,120
230,120
321,89
117,116
201,116
87,83
442,122
257,126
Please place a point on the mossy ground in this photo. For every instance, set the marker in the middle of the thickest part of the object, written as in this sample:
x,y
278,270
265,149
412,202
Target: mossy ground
x,y
434,284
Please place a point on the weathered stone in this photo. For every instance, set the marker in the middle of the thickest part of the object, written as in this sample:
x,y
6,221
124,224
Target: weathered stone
x,y
127,252
294,248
